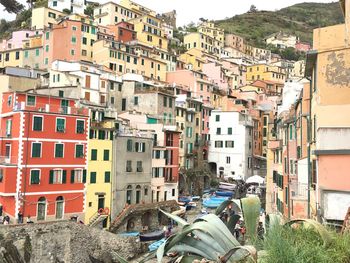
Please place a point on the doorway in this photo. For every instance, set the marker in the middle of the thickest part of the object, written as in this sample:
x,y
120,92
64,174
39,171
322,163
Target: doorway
x,y
41,210
59,207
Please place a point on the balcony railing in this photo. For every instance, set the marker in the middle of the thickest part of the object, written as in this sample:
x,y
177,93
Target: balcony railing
x,y
50,108
298,190
8,160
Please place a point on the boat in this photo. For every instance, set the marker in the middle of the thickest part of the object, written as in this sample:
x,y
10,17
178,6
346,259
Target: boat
x,y
224,193
156,235
130,234
196,198
227,186
214,202
154,246
184,199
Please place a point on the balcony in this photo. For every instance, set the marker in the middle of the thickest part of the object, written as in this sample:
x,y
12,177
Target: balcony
x,y
274,144
298,190
9,160
51,108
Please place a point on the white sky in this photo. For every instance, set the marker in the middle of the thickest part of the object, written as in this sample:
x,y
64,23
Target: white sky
x,y
192,10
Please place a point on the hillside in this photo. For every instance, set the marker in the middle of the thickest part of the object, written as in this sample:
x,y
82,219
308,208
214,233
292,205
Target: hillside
x,y
299,19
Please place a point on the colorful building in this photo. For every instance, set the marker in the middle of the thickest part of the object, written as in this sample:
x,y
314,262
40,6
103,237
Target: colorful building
x,y
43,17
43,151
266,72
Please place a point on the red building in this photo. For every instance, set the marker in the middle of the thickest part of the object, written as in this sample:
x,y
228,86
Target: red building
x,y
172,139
43,156
123,32
302,46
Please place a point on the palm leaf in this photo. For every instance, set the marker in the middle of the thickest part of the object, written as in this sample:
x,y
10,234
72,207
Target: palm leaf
x,y
240,253
232,222
177,219
251,211
223,206
321,229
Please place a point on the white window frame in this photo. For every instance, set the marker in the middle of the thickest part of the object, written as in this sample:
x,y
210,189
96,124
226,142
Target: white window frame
x,y
65,124
76,126
27,100
54,150
41,150
8,127
42,126
56,182
81,177
75,150
30,176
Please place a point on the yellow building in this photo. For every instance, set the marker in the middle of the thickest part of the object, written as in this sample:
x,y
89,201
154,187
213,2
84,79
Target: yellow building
x,y
149,31
124,58
266,72
23,57
202,42
135,7
99,173
43,17
112,13
209,29
192,59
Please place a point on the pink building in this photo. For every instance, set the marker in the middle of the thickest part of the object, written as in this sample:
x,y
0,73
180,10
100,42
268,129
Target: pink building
x,y
216,72
17,39
196,82
302,46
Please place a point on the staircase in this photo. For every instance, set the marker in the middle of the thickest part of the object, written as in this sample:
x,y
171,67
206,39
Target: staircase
x,y
97,218
121,216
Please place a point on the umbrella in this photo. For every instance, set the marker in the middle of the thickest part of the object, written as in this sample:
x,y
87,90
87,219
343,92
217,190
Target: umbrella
x,y
255,179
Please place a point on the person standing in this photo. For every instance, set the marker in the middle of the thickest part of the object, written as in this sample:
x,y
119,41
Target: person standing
x,y
20,217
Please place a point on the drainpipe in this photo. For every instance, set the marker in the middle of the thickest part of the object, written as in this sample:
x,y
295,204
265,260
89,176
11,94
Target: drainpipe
x,y
26,163
309,153
288,168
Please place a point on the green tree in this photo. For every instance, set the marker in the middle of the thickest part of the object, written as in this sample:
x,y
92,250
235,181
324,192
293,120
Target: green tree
x,y
12,6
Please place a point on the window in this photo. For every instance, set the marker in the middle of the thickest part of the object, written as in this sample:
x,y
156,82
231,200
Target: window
x,y
59,149
229,131
8,127
136,101
30,100
34,176
60,125
74,40
92,177
228,159
106,155
47,35
36,150
76,176
217,118
249,162
57,176
93,155
165,100
80,126
173,192
128,166
37,52
264,132
26,54
84,40
107,177
219,144
37,123
218,131
139,166
229,144
79,151
129,145
17,55
54,3
140,147
170,102
72,52
291,132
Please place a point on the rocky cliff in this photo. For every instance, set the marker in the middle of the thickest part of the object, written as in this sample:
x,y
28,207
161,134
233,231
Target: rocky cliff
x,y
60,242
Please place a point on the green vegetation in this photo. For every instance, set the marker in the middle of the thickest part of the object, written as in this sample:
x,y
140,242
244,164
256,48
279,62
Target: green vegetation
x,y
298,19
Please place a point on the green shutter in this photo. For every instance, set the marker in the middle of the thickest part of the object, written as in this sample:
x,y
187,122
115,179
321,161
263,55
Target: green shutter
x,y
84,176
106,155
51,177
72,176
64,177
92,177
93,154
107,177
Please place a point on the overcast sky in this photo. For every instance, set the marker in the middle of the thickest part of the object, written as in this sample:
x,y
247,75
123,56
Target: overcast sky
x,y
192,10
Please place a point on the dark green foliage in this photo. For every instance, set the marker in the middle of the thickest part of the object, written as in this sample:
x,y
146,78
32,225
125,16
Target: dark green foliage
x,y
304,245
12,6
298,19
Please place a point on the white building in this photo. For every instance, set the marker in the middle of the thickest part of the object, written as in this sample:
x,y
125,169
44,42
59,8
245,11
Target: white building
x,y
74,6
231,140
282,40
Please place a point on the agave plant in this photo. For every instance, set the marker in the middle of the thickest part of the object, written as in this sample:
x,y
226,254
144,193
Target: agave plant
x,y
209,238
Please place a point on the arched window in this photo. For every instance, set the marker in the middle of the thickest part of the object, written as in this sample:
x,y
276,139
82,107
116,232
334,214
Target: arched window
x,y
138,194
59,207
41,210
128,194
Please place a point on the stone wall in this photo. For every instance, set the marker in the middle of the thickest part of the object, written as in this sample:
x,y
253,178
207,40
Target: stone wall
x,y
63,242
